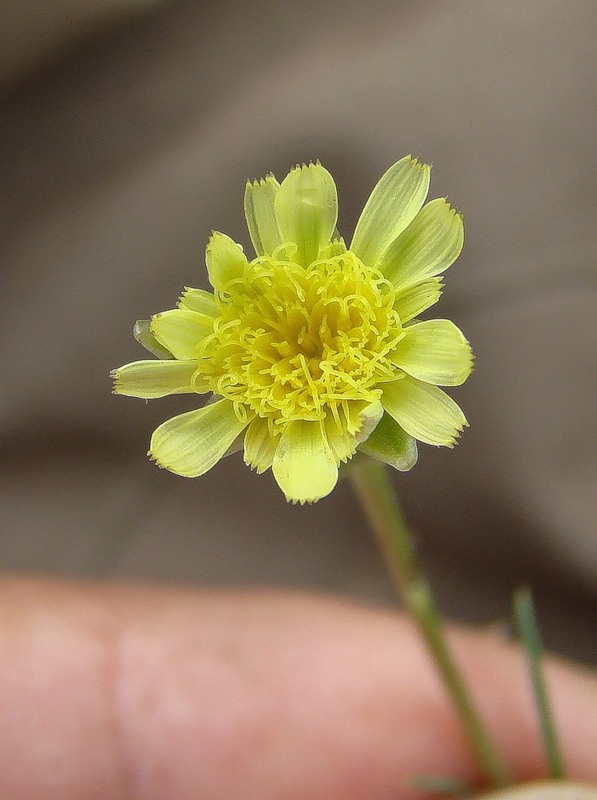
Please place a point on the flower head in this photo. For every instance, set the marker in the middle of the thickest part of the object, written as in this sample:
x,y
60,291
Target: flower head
x,y
312,350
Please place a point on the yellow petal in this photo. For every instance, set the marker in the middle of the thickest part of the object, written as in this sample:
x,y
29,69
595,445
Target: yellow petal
x,y
260,446
306,207
416,298
192,443
424,411
260,216
344,438
180,331
151,379
393,204
334,248
434,351
200,301
225,260
431,243
304,465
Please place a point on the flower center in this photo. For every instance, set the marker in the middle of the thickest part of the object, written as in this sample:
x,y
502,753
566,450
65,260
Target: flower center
x,y
301,343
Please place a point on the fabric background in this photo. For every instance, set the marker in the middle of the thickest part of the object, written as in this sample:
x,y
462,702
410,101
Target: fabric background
x,y
128,135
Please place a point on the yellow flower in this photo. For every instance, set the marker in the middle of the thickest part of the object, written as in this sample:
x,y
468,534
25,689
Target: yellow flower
x,y
312,350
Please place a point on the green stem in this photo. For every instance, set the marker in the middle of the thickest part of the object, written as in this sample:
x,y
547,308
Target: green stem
x,y
380,503
528,632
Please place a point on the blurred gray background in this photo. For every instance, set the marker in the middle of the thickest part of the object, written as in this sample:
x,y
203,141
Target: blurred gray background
x,y
128,131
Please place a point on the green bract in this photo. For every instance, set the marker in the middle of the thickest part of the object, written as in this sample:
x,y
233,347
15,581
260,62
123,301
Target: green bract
x,y
312,350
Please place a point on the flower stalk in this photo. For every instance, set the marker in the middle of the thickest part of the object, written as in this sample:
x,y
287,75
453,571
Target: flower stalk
x,y
530,638
380,504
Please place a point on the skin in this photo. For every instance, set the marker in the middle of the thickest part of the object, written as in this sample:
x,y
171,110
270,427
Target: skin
x,y
139,693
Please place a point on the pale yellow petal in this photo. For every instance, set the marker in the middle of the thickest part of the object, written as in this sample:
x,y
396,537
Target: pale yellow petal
x,y
200,301
416,298
431,243
260,215
304,465
345,436
192,443
424,411
306,207
151,379
334,248
434,351
180,331
393,204
260,446
225,261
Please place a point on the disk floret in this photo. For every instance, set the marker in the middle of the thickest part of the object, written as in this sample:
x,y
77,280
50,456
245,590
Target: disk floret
x,y
300,343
